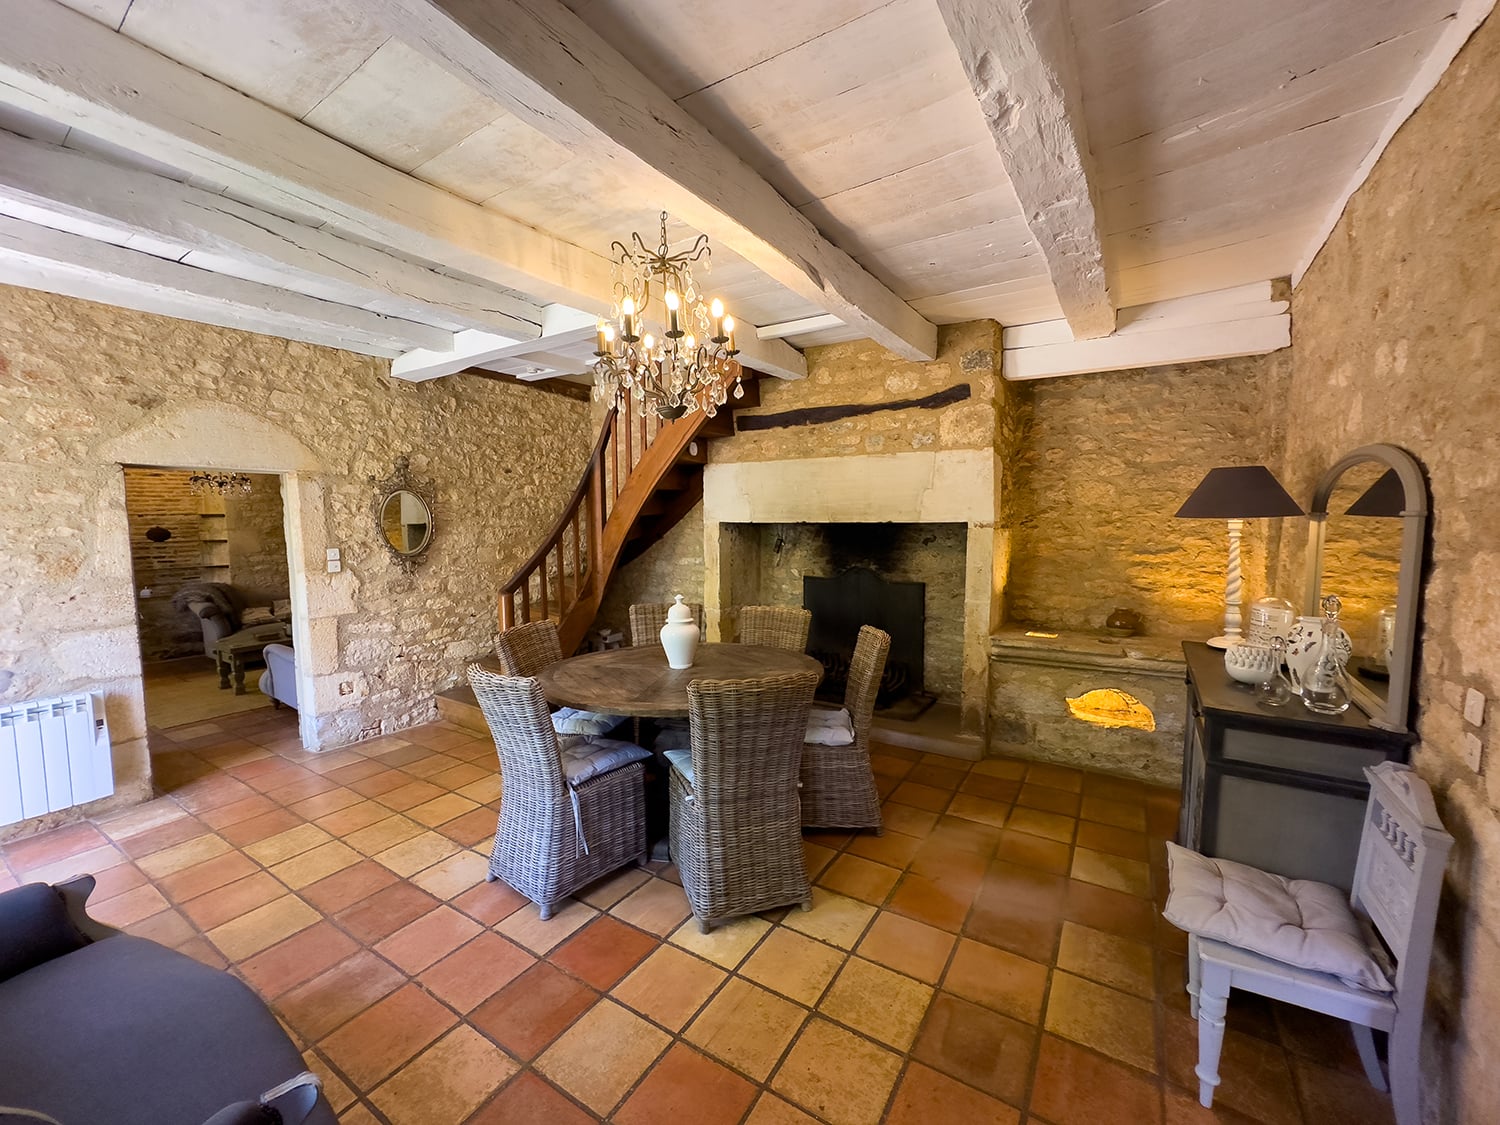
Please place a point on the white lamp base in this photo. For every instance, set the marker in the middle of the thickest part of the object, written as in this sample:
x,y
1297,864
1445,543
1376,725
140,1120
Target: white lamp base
x,y
1223,642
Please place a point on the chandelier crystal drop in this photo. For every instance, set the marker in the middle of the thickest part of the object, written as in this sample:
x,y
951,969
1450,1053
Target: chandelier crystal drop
x,y
204,483
692,365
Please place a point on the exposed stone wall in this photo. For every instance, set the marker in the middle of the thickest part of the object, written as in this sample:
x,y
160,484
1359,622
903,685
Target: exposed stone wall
x,y
84,386
1395,340
672,565
160,499
257,541
1103,461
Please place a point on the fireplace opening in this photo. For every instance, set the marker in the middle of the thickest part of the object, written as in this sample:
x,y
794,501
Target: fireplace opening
x,y
840,605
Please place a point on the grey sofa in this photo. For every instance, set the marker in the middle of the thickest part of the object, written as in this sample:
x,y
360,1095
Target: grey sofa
x,y
101,1028
279,680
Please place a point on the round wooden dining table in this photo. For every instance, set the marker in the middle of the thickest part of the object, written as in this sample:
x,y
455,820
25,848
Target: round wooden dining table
x,y
637,682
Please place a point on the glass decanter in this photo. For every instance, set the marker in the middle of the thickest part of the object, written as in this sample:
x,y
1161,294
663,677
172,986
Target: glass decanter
x,y
1323,688
1275,690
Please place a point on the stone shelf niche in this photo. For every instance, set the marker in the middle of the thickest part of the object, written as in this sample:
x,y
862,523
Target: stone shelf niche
x,y
745,502
1032,679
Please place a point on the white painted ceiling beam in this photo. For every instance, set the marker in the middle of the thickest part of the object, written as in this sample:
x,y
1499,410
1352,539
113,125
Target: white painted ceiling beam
x,y
1185,344
1242,302
73,265
1019,59
222,234
64,66
547,66
470,348
797,327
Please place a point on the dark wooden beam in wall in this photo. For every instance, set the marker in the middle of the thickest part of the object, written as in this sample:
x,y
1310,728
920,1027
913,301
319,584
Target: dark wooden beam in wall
x,y
814,415
549,386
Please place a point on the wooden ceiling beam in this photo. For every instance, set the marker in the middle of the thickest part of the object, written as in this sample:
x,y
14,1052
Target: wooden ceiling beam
x,y
554,72
1019,59
39,257
219,233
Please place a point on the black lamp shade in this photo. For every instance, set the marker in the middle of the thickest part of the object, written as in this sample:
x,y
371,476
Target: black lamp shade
x,y
1244,492
1386,497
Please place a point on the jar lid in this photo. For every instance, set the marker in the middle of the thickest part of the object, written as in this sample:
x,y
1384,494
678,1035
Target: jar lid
x,y
679,612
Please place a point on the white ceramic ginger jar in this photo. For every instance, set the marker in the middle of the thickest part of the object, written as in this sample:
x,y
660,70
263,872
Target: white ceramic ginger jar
x,y
1302,642
679,636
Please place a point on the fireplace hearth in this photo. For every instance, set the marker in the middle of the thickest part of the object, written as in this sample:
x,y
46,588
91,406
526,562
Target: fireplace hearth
x,y
859,596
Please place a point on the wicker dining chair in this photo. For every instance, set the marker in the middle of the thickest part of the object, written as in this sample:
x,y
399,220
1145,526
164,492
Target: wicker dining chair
x,y
553,835
524,650
781,626
736,823
647,619
838,785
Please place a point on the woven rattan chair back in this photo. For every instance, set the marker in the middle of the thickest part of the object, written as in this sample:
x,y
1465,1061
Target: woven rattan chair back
x,y
781,626
838,785
527,649
538,849
737,831
647,619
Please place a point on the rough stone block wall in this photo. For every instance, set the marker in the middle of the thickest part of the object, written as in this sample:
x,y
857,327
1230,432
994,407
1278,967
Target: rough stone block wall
x,y
1103,461
672,565
160,498
81,381
1395,340
257,541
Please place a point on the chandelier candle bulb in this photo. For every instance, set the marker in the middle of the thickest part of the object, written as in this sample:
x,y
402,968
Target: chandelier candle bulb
x,y
729,332
601,346
674,330
717,311
627,311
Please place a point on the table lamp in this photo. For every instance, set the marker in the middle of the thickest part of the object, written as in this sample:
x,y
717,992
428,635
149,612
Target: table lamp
x,y
1237,494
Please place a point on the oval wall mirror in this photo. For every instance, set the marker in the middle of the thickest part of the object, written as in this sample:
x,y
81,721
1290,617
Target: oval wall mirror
x,y
403,515
1368,525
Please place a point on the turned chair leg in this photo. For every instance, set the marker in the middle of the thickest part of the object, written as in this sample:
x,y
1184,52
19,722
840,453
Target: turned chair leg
x,y
1364,1040
1195,975
1213,1002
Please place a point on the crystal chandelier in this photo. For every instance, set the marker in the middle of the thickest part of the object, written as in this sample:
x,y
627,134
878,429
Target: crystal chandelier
x,y
203,483
692,365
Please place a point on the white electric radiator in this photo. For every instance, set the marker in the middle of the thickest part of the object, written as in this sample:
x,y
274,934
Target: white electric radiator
x,y
53,753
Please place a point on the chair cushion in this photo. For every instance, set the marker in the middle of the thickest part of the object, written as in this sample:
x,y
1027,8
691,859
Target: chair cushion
x,y
584,757
1296,921
829,728
572,721
682,762
673,738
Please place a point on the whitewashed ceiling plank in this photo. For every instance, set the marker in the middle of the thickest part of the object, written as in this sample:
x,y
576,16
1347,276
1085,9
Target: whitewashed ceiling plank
x,y
1208,270
1020,302
488,161
1239,219
545,65
107,12
288,54
401,108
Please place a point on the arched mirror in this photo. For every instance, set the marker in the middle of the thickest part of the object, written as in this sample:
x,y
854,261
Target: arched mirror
x,y
403,515
1368,523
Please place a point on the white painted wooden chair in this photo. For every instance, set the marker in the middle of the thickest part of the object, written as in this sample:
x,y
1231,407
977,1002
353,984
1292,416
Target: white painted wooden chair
x,y
1397,880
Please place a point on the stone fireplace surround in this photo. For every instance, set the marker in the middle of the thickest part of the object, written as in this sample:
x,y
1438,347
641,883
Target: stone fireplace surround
x,y
939,487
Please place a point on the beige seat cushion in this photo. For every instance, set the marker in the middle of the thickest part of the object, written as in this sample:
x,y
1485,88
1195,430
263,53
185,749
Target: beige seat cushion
x,y
1296,921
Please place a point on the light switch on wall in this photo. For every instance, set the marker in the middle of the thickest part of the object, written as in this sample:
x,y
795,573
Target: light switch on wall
x,y
1474,708
1473,751
334,563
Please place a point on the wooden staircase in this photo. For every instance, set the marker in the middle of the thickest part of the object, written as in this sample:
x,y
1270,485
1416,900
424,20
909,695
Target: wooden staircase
x,y
643,476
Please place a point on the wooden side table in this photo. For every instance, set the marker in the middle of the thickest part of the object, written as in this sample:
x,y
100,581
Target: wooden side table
x,y
231,653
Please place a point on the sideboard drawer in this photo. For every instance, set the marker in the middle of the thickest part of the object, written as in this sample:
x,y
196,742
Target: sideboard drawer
x,y
1283,752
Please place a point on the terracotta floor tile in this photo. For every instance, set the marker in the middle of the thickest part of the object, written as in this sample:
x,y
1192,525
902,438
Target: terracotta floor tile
x,y
383,913
991,788
48,847
687,1086
1108,959
142,818
445,1083
908,819
316,864
859,878
1340,1097
838,1076
921,796
1110,1022
815,857
603,952
937,776
382,834
1050,826
301,789
386,1034
1047,799
942,905
448,878
472,828
1028,850
486,790
926,1097
1255,1076
129,907
329,801
238,811
1130,815
1055,777
470,975
428,939
746,1027
344,888
908,946
377,784
773,1110
1020,910
262,927
981,810
1113,911
1006,982
894,849
181,856
1008,769
190,882
525,926
1133,876
490,903
464,773
415,854
834,918
1311,1035
257,828
1113,841
314,1009
409,795
297,959
531,1011
658,907
1077,1087
167,835
165,927
795,966
726,945
605,892
441,809
884,765
669,987
977,1046
529,1100
878,1002
1182,1108
603,1055
115,880
223,904
353,818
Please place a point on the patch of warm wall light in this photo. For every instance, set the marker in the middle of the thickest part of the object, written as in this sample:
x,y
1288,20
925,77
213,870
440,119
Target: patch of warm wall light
x,y
1108,707
1044,636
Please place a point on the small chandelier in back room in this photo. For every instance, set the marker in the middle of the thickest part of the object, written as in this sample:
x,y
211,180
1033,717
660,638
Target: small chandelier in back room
x,y
692,365
205,483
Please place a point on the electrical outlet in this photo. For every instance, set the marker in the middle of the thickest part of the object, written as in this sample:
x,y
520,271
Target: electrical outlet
x,y
346,687
1474,708
1473,751
334,567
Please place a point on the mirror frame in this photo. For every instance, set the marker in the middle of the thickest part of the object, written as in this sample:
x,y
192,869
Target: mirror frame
x,y
401,480
1391,712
